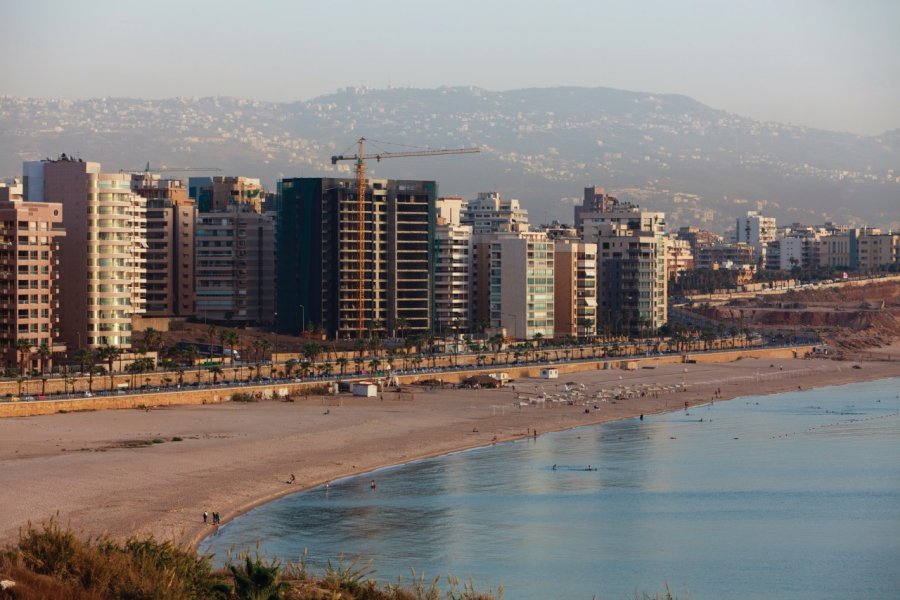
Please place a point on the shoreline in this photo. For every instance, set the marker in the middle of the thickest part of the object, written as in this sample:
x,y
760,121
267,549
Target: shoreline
x,y
232,457
196,541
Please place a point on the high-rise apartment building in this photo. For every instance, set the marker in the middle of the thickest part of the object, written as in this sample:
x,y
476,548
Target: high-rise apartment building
x,y
235,265
103,255
489,213
632,296
631,262
452,252
355,282
758,231
575,289
521,284
29,280
170,245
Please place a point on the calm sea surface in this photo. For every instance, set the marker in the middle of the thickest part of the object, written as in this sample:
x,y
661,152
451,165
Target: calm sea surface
x,y
790,496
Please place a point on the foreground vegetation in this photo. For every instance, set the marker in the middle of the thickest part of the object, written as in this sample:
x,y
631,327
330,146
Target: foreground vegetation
x,y
53,563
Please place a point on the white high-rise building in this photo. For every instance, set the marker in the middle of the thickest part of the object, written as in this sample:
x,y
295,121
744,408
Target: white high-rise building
x,y
452,252
521,284
756,230
489,213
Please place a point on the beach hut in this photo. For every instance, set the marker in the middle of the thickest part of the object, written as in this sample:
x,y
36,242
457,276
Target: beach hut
x,y
549,373
366,389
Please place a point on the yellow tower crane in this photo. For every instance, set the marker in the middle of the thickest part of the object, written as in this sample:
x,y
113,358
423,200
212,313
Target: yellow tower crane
x,y
360,158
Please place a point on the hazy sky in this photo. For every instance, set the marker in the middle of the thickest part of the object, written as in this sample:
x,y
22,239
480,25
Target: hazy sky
x,y
823,63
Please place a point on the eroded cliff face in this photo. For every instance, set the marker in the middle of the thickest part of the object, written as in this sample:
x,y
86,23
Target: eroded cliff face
x,y
850,317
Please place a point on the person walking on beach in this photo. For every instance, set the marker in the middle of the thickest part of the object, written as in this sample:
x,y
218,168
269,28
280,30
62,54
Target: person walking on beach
x,y
372,485
205,516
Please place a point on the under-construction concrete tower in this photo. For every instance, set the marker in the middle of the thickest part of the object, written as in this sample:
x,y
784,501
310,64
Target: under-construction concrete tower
x,y
355,284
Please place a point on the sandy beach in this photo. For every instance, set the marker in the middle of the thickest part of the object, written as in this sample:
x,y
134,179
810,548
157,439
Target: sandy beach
x,y
126,472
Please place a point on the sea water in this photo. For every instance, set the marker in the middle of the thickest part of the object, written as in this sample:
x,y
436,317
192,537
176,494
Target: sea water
x,y
793,496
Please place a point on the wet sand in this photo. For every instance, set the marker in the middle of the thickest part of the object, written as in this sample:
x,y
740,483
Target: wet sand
x,y
101,472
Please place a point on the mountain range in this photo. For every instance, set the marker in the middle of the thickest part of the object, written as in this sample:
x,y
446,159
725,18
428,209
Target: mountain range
x,y
700,165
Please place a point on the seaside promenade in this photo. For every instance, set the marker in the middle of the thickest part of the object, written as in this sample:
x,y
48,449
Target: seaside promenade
x,y
157,469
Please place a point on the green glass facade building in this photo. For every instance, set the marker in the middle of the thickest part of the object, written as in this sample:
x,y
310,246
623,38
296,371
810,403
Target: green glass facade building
x,y
319,268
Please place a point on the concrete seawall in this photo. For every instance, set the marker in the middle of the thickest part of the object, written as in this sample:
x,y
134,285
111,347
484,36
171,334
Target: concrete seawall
x,y
273,390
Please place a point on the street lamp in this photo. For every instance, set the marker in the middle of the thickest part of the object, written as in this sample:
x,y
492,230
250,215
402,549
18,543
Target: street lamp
x,y
302,318
274,345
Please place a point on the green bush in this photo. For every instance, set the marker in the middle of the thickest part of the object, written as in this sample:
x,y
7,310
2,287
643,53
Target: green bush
x,y
50,562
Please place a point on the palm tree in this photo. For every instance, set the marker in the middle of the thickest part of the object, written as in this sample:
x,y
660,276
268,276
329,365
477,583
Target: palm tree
x,y
289,366
23,347
90,359
312,351
258,580
374,363
400,326
359,360
44,352
342,364
83,355
109,354
391,357
264,346
305,368
223,340
212,333
152,340
216,371
232,339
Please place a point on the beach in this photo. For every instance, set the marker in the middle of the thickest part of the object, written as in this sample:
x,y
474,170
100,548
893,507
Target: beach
x,y
154,472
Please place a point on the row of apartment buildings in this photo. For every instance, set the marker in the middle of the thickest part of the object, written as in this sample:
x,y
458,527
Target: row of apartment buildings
x,y
85,254
758,242
421,262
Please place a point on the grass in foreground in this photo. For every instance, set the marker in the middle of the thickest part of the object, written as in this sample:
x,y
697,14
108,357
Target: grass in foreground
x,y
52,563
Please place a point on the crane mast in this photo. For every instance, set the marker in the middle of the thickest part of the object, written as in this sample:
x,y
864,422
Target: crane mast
x,y
360,159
